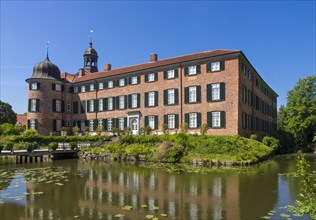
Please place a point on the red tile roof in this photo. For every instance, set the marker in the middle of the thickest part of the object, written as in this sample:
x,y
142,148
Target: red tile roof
x,y
158,63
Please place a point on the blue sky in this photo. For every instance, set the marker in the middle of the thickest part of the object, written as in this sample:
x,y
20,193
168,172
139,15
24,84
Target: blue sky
x,y
278,37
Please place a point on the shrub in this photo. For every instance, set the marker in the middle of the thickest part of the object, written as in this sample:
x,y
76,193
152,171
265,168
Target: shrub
x,y
29,133
164,128
8,146
19,146
72,145
53,145
169,152
271,142
147,129
75,130
203,129
253,137
184,127
1,147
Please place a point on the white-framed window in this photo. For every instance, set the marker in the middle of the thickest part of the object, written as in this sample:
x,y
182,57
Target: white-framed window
x,y
122,82
58,125
171,96
134,101
75,89
33,105
34,86
216,91
191,70
134,80
110,103
91,105
151,77
192,120
215,66
91,87
121,124
68,123
170,74
101,85
151,98
83,88
171,121
58,87
216,119
58,106
110,84
151,121
121,102
100,104
90,125
110,124
32,124
192,94
68,107
100,123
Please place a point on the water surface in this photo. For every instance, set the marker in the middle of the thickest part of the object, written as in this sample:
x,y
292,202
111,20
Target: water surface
x,y
73,189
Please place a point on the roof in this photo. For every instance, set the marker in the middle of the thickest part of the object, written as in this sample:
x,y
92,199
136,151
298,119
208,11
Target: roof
x,y
154,64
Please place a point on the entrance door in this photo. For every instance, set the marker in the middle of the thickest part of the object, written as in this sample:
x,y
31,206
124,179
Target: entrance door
x,y
134,125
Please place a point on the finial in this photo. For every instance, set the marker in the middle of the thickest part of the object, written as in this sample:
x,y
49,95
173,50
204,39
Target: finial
x,y
91,31
47,46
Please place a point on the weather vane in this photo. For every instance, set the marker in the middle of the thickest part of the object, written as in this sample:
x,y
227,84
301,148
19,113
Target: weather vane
x,y
91,31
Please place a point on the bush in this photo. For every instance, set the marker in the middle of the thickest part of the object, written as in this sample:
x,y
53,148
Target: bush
x,y
253,137
53,146
271,142
72,145
8,146
169,152
203,129
19,146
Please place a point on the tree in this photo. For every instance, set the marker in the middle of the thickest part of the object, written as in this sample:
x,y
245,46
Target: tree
x,y
299,116
7,115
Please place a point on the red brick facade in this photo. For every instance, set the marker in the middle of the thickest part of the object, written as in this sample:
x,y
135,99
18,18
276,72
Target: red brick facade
x,y
233,99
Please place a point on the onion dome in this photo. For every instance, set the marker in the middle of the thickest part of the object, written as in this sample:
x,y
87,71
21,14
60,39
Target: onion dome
x,y
90,51
46,70
90,58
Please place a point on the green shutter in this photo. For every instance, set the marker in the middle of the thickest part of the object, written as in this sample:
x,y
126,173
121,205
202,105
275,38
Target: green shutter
x,y
165,97
223,119
38,86
146,99
156,122
209,67
146,77
165,74
37,105
209,119
62,88
95,124
198,117
75,107
186,71
117,102
198,93
176,116
53,86
176,73
105,124
146,121
156,98
29,106
138,100
125,122
156,76
105,104
54,125
125,101
54,105
222,65
209,92
130,80
186,118
83,106
129,101
138,79
28,124
165,119
186,95
96,105
198,69
222,91
176,96
62,106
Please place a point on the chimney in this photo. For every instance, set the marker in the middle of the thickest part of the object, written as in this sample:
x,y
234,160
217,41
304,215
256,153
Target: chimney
x,y
81,72
107,67
153,57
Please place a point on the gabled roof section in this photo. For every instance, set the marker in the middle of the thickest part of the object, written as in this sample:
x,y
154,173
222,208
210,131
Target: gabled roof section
x,y
158,63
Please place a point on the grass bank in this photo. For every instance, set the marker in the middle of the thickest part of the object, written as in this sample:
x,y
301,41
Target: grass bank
x,y
184,148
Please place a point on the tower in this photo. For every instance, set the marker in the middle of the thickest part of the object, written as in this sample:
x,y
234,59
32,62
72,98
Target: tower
x,y
90,58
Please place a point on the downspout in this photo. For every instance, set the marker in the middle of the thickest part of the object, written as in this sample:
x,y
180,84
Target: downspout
x,y
181,89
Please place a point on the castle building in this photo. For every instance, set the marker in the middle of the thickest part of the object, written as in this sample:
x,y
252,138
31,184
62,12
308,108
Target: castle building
x,y
218,88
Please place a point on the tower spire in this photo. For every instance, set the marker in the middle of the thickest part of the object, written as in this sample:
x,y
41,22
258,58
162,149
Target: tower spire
x,y
47,46
91,31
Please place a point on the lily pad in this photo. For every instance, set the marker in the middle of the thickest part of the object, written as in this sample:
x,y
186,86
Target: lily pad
x,y
144,206
266,217
149,216
119,215
163,215
284,215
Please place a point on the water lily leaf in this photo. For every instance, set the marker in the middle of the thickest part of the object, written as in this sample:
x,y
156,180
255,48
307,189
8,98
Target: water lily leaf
x,y
284,215
59,184
266,217
76,216
149,216
119,215
155,218
144,206
156,208
163,215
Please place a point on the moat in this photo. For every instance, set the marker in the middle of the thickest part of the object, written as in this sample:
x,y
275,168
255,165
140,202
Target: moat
x,y
71,189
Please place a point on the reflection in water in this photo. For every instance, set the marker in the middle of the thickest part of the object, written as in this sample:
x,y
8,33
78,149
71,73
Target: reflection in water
x,y
101,190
